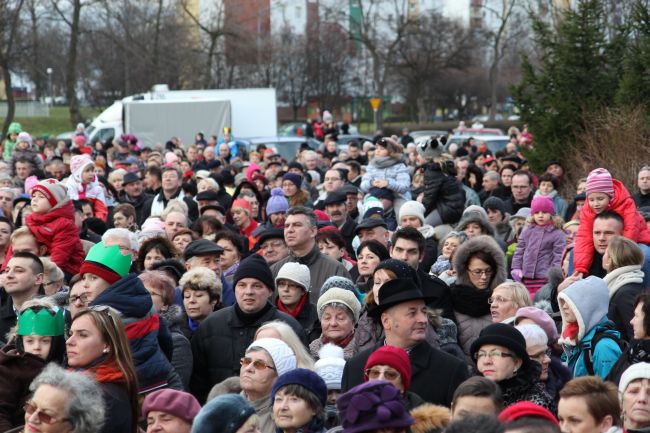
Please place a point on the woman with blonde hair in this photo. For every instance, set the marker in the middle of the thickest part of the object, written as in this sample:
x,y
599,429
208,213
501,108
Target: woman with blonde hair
x,y
280,330
506,299
623,260
99,347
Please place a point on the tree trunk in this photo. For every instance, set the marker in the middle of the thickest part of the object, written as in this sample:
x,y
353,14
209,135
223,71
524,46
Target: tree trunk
x,y
71,69
11,101
155,61
207,80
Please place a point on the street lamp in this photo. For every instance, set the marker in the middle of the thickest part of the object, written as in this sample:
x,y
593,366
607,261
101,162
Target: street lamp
x,y
49,86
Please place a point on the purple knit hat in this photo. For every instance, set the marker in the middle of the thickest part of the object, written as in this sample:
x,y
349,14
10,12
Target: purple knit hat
x,y
277,202
542,204
372,405
600,180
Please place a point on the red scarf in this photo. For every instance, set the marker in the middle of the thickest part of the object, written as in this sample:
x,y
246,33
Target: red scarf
x,y
296,311
107,372
571,331
341,343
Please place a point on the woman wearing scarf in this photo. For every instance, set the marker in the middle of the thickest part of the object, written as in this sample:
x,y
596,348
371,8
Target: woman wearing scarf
x,y
338,311
98,346
293,282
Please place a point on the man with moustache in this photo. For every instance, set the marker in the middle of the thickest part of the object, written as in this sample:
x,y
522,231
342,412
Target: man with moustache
x,y
336,209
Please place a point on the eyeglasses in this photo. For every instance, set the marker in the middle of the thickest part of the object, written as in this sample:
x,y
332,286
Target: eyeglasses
x,y
274,244
492,354
76,298
479,272
498,300
258,364
43,417
376,373
541,355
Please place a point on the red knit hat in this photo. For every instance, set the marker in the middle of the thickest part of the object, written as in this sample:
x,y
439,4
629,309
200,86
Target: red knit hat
x,y
526,408
54,192
240,202
101,271
394,357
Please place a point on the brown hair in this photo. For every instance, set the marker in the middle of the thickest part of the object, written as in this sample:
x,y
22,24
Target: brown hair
x,y
601,398
110,325
160,280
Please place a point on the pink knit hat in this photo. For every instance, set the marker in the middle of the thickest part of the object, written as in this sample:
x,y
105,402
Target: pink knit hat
x,y
541,318
600,180
542,204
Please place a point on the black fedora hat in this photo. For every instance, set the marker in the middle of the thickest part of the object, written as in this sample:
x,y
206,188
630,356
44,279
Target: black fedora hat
x,y
395,292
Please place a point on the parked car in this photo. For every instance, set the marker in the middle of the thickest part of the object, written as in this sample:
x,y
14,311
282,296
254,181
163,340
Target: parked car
x,y
286,147
465,132
427,133
494,143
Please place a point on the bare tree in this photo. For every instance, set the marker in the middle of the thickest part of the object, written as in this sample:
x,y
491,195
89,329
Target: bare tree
x,y
9,33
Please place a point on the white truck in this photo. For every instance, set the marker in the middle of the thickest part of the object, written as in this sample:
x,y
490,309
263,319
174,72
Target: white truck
x,y
156,116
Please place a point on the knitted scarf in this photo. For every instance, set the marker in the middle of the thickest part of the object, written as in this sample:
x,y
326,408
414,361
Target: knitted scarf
x,y
471,301
104,370
297,309
383,161
341,343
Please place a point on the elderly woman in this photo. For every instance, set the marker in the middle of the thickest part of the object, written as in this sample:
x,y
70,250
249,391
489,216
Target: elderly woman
x,y
623,260
231,412
64,402
265,360
506,299
480,267
182,239
161,288
280,330
154,250
99,347
299,398
338,312
116,179
634,390
500,354
201,290
169,410
294,282
589,405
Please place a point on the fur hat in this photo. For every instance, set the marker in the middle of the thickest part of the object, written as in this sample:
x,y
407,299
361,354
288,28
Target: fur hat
x,y
330,365
283,357
477,215
412,208
430,418
295,272
55,193
600,180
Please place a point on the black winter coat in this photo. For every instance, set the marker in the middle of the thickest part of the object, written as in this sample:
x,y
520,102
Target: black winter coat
x,y
435,374
221,341
443,193
621,308
639,351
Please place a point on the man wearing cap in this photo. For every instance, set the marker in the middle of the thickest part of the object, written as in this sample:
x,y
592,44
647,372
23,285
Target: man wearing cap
x,y
134,194
222,338
336,209
172,180
402,313
300,229
373,229
207,254
272,245
169,411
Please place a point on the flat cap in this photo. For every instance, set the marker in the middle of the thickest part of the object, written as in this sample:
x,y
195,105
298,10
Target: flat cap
x,y
201,247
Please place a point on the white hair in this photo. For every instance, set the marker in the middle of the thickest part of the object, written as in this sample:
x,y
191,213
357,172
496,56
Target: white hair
x,y
534,334
175,205
123,234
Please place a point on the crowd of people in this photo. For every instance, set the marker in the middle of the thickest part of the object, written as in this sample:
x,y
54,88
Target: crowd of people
x,y
392,286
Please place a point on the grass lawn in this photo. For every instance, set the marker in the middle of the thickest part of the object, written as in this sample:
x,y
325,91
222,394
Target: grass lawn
x,y
55,124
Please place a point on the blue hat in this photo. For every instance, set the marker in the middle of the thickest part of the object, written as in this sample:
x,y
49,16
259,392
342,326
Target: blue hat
x,y
224,414
277,202
308,379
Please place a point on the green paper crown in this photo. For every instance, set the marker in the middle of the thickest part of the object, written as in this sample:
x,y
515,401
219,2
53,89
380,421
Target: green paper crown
x,y
43,323
110,257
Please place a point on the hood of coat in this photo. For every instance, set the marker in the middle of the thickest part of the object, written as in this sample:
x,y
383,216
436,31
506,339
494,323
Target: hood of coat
x,y
468,249
588,302
128,296
476,217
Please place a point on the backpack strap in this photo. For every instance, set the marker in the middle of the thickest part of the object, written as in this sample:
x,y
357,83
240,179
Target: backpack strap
x,y
589,354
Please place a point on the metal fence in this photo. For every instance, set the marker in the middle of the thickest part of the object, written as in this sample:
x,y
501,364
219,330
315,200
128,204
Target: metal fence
x,y
27,109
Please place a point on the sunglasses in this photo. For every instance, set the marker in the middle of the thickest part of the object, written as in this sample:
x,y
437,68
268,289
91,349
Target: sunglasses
x,y
376,373
43,417
258,364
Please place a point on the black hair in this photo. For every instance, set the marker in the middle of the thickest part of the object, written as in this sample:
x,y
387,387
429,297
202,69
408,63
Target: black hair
x,y
331,235
479,386
309,397
476,424
211,221
153,170
410,234
524,173
548,177
375,247
609,214
162,244
235,239
37,268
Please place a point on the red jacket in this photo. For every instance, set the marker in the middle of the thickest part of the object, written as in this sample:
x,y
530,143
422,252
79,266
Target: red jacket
x,y
57,231
634,227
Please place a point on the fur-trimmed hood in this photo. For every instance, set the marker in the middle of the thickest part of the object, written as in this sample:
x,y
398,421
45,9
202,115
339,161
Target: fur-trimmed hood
x,y
472,246
477,215
173,315
430,418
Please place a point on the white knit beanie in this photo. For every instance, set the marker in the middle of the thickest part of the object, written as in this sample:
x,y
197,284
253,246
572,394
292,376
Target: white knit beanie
x,y
412,208
330,365
640,370
295,272
282,355
345,297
